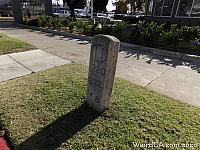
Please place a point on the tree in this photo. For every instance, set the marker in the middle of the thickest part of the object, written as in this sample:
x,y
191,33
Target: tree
x,y
136,4
100,5
133,4
121,7
140,5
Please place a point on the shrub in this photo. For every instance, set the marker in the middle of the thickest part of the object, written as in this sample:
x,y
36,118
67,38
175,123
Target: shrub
x,y
64,23
96,28
87,28
119,27
79,25
105,28
49,20
187,33
136,32
58,24
71,25
42,21
147,32
151,32
172,36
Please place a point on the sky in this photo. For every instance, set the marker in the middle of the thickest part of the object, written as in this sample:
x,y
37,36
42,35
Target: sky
x,y
109,7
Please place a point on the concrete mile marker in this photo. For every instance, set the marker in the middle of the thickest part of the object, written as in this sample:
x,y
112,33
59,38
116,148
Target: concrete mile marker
x,y
102,67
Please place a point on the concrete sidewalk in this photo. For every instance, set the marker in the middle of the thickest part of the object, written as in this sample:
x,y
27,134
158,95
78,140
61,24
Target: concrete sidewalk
x,y
173,77
23,63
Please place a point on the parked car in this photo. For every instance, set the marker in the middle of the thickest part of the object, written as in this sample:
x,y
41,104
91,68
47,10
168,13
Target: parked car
x,y
83,15
102,17
134,18
62,13
119,16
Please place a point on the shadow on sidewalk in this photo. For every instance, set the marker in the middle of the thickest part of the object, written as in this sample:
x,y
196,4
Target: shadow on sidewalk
x,y
161,60
56,133
8,25
61,37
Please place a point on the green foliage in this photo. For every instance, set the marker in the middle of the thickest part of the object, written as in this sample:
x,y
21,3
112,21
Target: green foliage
x,y
49,20
71,26
172,36
64,23
96,28
103,28
79,25
119,28
151,32
42,21
87,28
191,34
148,33
136,32
57,24
187,33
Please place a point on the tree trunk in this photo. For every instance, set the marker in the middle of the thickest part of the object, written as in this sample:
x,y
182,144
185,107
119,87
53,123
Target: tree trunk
x,y
72,11
16,9
48,7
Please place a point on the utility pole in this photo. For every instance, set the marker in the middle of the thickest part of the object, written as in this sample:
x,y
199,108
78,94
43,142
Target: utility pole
x,y
87,7
92,8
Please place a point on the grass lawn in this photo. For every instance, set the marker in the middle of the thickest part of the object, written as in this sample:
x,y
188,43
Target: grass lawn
x,y
10,45
46,111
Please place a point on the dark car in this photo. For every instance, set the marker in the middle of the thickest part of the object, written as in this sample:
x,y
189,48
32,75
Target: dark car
x,y
119,16
137,16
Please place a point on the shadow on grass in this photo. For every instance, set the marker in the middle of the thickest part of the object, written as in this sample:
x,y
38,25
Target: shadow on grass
x,y
4,134
56,133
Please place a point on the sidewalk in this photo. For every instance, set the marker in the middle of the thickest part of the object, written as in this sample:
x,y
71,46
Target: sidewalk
x,y
173,77
23,63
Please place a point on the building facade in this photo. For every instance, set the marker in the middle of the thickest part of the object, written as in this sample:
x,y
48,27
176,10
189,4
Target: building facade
x,y
5,8
178,11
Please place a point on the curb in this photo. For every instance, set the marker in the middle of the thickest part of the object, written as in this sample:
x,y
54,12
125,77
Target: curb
x,y
72,35
155,51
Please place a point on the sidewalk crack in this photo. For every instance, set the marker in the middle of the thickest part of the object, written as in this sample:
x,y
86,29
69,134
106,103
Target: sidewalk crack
x,y
163,72
21,64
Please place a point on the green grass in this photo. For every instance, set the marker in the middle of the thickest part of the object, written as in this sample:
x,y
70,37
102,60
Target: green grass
x,y
10,45
46,111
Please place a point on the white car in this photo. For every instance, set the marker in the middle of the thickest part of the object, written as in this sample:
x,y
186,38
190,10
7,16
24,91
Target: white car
x,y
83,15
102,17
62,14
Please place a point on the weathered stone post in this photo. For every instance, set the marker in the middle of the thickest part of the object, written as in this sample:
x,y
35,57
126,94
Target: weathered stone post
x,y
102,67
17,12
48,7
